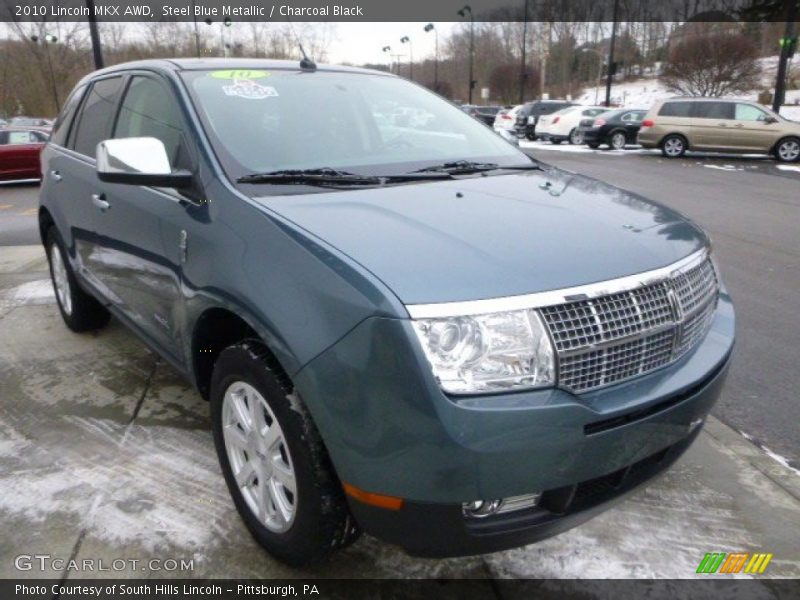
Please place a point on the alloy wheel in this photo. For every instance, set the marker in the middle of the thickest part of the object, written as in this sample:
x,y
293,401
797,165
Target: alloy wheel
x,y
61,279
576,137
259,456
618,141
789,150
673,147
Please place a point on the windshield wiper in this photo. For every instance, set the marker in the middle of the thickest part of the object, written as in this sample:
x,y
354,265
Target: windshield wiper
x,y
325,176
321,176
466,167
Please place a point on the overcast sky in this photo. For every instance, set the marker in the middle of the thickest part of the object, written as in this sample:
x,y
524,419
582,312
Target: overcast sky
x,y
359,43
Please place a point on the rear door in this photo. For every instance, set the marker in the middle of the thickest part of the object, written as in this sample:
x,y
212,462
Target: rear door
x,y
73,182
140,232
632,121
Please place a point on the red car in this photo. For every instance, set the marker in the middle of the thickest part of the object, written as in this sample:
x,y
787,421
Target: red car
x,y
19,152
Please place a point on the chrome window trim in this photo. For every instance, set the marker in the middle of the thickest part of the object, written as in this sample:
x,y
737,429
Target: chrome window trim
x,y
548,298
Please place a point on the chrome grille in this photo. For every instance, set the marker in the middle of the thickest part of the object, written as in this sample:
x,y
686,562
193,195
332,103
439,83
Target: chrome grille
x,y
614,337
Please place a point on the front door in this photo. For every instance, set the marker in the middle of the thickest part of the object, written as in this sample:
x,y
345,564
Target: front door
x,y
752,129
139,229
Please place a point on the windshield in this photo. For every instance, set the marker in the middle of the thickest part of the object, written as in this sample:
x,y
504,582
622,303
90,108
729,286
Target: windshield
x,y
269,120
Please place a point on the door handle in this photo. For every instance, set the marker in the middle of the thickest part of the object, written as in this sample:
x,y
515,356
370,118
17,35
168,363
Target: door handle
x,y
99,200
739,125
722,124
56,175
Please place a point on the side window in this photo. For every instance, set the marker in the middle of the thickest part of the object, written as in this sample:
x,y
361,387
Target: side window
x,y
747,112
62,125
94,124
713,110
675,109
20,137
150,110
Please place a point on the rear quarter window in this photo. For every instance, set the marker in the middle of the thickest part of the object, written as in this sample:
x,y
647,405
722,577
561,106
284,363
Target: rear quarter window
x,y
62,125
675,109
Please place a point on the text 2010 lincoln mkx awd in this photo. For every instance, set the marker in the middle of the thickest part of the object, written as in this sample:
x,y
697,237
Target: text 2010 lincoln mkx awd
x,y
403,323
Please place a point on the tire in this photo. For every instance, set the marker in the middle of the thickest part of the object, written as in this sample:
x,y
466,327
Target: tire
x,y
555,141
593,145
673,146
299,527
530,137
787,150
575,137
617,141
80,311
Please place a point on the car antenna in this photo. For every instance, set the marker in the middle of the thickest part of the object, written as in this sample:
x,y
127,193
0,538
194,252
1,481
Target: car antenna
x,y
305,63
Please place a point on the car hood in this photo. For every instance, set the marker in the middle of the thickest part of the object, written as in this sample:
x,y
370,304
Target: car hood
x,y
490,237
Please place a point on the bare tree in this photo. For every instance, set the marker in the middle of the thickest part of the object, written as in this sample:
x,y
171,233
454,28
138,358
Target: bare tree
x,y
714,64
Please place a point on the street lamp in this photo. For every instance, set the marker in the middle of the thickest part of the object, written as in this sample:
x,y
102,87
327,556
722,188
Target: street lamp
x,y
600,58
224,24
463,13
47,40
388,50
428,28
407,40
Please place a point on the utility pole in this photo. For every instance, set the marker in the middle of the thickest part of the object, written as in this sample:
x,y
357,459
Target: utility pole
x,y
788,46
97,51
196,32
407,40
610,77
522,74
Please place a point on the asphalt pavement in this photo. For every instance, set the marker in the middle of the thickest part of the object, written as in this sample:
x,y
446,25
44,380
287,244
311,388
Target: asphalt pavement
x,y
750,206
19,204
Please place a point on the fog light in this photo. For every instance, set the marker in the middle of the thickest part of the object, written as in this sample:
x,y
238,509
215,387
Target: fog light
x,y
480,509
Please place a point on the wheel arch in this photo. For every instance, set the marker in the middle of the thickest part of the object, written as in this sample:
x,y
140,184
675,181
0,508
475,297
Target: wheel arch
x,y
678,134
783,138
46,221
215,329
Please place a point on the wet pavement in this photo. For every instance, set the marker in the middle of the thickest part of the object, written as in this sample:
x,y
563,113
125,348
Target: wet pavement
x,y
106,454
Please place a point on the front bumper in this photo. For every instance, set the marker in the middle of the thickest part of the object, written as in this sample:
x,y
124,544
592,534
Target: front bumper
x,y
390,430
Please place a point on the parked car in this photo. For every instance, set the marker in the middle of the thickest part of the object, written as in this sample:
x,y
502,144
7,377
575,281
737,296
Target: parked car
x,y
422,334
528,116
19,153
563,125
31,122
719,125
485,114
616,128
506,119
3,123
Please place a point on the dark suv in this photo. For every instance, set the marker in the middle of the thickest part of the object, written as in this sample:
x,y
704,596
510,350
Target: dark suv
x,y
415,330
528,116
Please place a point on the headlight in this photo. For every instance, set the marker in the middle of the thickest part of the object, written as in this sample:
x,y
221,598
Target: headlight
x,y
484,353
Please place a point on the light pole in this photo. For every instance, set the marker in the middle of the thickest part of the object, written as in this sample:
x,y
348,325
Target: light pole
x,y
388,50
47,40
97,52
196,33
600,58
224,24
522,74
463,13
428,28
611,54
407,40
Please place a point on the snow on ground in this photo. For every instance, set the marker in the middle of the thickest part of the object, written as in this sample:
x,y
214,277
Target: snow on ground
x,y
644,92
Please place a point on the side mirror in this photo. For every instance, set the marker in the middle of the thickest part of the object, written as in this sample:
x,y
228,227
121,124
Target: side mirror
x,y
138,161
770,120
509,137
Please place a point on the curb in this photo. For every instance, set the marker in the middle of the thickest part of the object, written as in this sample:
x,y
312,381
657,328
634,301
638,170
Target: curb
x,y
783,476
